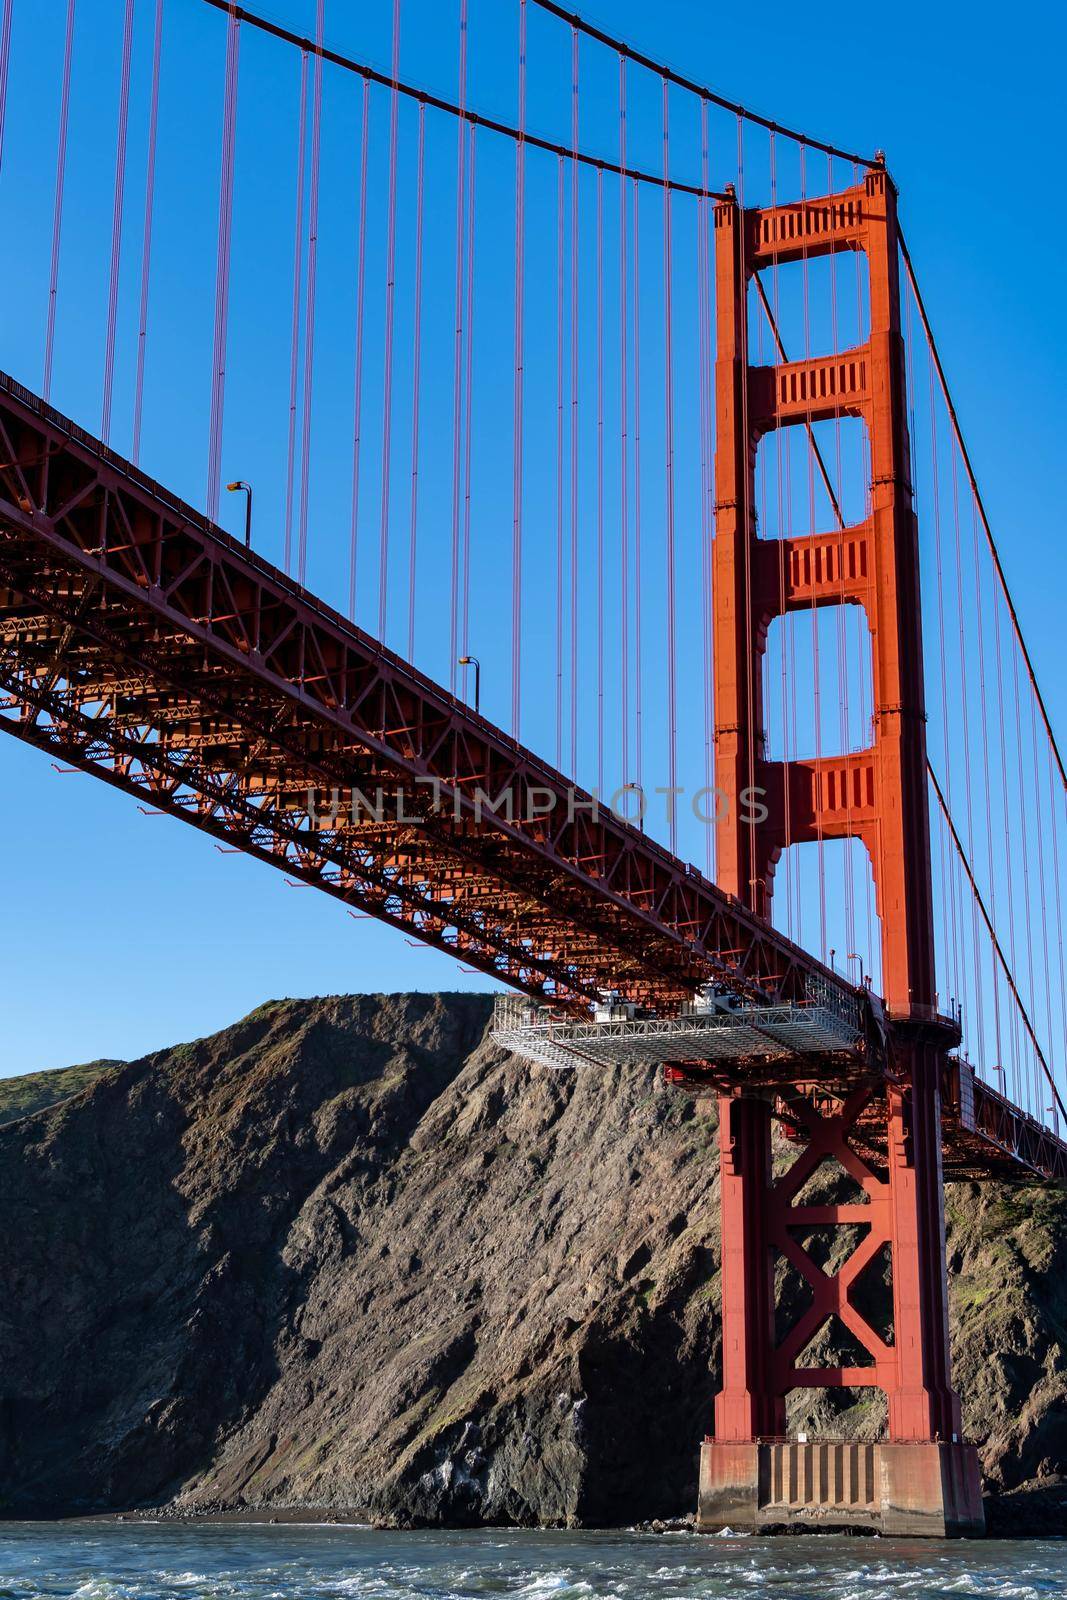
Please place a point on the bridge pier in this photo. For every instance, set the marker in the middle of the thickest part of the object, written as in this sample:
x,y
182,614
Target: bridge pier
x,y
885,1147
917,1490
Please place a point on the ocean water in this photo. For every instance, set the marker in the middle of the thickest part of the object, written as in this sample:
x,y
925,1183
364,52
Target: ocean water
x,y
114,1561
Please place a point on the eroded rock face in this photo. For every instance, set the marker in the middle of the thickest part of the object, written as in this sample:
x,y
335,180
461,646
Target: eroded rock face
x,y
347,1254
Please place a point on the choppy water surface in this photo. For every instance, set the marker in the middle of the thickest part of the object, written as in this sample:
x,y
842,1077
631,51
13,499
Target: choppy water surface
x,y
167,1562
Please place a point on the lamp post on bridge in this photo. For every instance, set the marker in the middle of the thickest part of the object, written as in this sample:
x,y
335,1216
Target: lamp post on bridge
x,y
233,488
472,661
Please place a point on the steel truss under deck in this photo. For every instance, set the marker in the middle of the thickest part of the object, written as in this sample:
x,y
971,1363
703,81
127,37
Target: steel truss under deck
x,y
141,643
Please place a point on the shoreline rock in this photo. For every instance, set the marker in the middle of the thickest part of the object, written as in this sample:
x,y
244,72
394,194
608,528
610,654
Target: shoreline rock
x,y
349,1257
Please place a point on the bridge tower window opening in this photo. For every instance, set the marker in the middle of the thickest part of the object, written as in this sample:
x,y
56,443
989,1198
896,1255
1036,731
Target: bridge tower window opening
x,y
813,480
813,303
826,890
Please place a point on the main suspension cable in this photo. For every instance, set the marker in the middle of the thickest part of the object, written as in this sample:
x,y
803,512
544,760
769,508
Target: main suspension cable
x,y
682,82
460,111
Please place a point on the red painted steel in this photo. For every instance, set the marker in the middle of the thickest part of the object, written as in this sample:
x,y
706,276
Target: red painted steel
x,y
142,642
877,795
146,646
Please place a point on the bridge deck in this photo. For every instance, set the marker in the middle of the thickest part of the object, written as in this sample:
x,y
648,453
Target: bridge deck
x,y
144,641
143,644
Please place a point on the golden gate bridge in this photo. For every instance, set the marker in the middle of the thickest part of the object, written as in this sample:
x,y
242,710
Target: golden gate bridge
x,y
630,397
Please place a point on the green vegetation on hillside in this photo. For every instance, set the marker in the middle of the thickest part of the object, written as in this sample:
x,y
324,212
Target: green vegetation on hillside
x,y
35,1090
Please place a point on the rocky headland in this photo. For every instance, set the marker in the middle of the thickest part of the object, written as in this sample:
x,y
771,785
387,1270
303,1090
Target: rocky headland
x,y
349,1256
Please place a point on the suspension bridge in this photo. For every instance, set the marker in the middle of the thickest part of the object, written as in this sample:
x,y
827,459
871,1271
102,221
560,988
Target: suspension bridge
x,y
627,397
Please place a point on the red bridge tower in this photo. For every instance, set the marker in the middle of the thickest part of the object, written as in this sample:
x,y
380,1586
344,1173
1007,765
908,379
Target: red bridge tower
x,y
887,1135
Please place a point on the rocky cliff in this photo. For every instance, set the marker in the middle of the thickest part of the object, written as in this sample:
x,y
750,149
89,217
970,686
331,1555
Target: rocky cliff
x,y
347,1254
32,1091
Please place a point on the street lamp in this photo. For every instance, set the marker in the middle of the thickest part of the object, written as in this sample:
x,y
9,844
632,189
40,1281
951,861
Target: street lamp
x,y
472,661
635,788
247,488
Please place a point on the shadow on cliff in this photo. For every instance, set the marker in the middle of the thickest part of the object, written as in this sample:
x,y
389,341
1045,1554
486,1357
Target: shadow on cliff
x,y
145,1290
348,1255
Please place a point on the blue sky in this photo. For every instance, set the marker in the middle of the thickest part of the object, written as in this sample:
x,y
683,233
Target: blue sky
x,y
125,933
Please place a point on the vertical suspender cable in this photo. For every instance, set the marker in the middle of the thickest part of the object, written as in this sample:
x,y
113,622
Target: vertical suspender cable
x,y
668,334
706,495
222,266
416,374
784,487
1028,917
390,311
941,964
1041,708
965,723
751,890
560,298
294,338
948,882
1055,795
57,213
520,291
638,720
5,63
624,465
310,292
1039,831
785,523
787,633
759,476
457,387
816,645
574,401
600,480
874,954
794,876
468,403
920,307
146,237
116,219
983,724
960,857
357,399
965,678
1009,876
816,670
845,720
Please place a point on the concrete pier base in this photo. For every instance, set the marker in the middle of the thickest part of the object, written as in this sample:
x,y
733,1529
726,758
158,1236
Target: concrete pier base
x,y
916,1490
